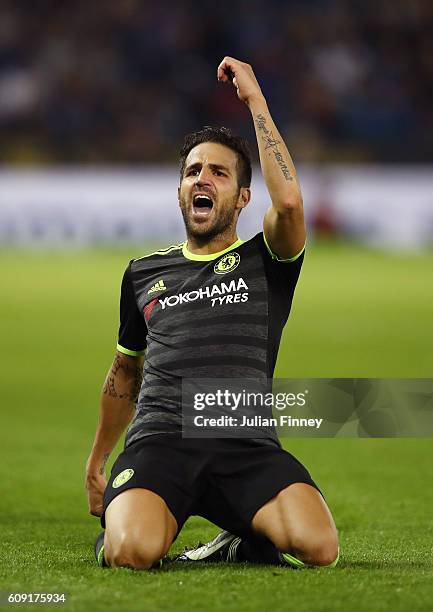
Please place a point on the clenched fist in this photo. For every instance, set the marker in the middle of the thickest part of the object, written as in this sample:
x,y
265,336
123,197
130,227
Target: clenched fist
x,y
95,485
242,77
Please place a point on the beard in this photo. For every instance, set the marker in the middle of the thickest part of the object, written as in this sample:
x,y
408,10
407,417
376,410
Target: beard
x,y
223,221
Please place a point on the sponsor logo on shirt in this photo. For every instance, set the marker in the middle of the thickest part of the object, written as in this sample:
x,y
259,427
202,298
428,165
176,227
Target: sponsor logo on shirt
x,y
219,294
147,310
227,263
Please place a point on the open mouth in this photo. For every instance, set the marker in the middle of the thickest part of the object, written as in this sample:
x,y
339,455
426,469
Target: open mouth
x,y
202,205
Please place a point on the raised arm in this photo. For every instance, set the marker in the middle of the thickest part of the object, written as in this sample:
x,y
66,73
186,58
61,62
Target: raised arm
x,y
118,397
284,225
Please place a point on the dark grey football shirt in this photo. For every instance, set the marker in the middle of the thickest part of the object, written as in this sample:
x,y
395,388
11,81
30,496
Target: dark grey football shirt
x,y
202,316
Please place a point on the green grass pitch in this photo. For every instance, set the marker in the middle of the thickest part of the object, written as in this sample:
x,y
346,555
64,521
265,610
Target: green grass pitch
x,y
356,313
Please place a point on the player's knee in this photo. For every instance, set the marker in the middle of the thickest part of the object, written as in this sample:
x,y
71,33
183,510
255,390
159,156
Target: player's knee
x,y
312,548
322,550
128,552
324,554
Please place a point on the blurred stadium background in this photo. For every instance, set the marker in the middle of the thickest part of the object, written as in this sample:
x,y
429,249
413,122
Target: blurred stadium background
x,y
122,82
95,98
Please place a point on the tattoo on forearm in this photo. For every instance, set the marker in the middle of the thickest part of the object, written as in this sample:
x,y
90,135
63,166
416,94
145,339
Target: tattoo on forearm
x,y
272,143
104,463
133,372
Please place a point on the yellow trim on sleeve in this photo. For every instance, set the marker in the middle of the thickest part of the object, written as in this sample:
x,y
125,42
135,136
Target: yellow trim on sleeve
x,y
165,251
126,351
275,256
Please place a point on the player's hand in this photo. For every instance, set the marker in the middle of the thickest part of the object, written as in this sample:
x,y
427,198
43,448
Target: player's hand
x,y
243,78
95,485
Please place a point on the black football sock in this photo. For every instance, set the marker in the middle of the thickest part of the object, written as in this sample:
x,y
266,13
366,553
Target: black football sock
x,y
261,550
256,549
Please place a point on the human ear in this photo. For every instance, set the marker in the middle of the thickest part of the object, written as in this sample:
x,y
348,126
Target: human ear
x,y
244,197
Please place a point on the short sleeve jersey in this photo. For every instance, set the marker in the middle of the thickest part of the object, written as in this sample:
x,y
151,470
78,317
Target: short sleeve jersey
x,y
202,316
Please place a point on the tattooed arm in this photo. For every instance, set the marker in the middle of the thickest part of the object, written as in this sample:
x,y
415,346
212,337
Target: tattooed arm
x,y
119,394
284,225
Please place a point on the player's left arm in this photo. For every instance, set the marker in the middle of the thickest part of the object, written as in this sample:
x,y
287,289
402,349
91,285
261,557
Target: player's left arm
x,y
283,225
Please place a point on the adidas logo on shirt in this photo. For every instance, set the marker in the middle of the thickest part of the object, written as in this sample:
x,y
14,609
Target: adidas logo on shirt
x,y
159,286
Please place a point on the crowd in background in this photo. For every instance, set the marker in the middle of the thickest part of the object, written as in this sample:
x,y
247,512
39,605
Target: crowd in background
x,y
121,81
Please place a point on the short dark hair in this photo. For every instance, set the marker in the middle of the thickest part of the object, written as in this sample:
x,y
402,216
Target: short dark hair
x,y
224,136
